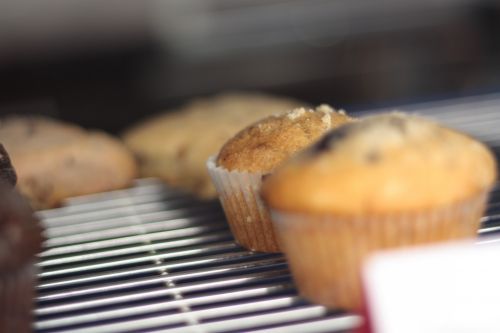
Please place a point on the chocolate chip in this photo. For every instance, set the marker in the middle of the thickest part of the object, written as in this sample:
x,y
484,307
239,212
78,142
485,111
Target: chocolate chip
x,y
265,176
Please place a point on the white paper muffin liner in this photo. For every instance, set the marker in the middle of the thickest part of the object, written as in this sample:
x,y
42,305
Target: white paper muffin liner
x,y
17,294
246,213
325,253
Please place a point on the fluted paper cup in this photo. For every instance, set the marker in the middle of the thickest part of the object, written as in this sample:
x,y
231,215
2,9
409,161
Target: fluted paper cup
x,y
246,213
325,253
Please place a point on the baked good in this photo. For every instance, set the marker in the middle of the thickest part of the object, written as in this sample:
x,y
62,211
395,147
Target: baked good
x,y
56,160
386,181
174,146
7,171
20,241
253,153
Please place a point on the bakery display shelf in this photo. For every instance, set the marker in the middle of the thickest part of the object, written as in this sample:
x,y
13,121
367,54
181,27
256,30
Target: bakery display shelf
x,y
146,259
150,259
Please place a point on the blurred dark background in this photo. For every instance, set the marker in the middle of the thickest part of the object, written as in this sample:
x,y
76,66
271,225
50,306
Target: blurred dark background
x,y
107,64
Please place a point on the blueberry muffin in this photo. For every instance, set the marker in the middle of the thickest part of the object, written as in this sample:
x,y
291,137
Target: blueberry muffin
x,y
386,181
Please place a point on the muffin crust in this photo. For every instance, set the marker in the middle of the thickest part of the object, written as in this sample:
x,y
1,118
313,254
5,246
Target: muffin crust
x,y
265,144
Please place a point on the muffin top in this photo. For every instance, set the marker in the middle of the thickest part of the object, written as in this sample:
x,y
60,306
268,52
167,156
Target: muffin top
x,y
383,164
263,145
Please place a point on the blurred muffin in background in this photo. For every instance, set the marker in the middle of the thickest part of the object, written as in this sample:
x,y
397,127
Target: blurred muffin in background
x,y
56,160
386,181
174,146
253,153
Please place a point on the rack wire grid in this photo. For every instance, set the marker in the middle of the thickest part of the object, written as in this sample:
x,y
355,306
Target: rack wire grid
x,y
149,259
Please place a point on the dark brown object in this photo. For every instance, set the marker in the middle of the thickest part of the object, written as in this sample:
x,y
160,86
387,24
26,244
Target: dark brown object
x,y
20,241
20,232
7,172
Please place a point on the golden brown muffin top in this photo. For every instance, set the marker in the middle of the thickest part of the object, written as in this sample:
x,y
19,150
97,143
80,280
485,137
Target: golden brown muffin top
x,y
263,145
383,164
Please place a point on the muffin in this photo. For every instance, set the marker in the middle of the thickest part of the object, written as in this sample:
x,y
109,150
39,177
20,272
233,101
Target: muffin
x,y
55,160
20,241
175,145
387,181
254,153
